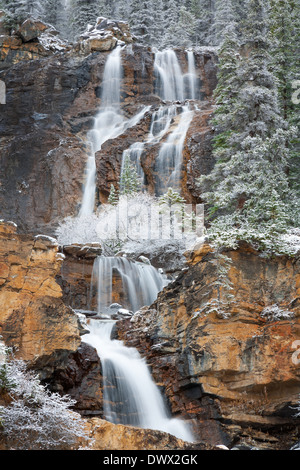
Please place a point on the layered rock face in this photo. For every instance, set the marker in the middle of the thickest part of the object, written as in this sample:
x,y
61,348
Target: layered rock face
x,y
34,320
234,378
31,299
108,436
51,101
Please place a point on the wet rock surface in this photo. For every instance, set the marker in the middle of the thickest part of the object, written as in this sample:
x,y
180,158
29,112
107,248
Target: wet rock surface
x,y
233,378
50,105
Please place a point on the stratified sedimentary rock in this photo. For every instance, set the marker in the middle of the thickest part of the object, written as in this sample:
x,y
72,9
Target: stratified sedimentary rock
x,y
233,377
108,436
33,317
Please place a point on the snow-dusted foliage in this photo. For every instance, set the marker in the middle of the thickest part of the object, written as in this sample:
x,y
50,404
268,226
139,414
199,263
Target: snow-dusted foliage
x,y
135,218
36,419
275,313
249,194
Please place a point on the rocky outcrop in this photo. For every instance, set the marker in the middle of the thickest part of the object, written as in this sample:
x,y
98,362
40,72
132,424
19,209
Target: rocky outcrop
x,y
105,36
33,318
108,436
33,39
76,275
36,322
234,378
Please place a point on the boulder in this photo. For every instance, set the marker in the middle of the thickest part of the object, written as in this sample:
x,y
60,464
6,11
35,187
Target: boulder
x,y
31,29
108,436
105,35
102,43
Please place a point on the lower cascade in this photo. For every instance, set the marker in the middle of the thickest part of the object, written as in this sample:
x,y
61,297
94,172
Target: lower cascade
x,y
140,282
131,397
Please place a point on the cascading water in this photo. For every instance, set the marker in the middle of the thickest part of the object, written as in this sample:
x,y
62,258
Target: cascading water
x,y
192,80
140,282
109,124
169,160
169,78
130,396
172,86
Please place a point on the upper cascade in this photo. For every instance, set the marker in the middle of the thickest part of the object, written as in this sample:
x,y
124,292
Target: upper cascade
x,y
171,83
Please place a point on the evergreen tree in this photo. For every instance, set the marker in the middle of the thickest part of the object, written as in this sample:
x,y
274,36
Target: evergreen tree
x,y
140,20
57,14
225,21
129,180
105,9
285,40
248,190
113,196
122,10
170,198
205,24
157,23
171,18
83,12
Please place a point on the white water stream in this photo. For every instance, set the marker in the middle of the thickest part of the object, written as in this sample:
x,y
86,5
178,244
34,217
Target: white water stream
x,y
109,124
172,86
141,282
131,397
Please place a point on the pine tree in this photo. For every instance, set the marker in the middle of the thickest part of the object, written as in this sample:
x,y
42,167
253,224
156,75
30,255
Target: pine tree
x,y
225,21
56,13
129,180
285,39
205,22
105,9
113,196
157,22
139,20
248,190
122,10
170,198
83,12
171,24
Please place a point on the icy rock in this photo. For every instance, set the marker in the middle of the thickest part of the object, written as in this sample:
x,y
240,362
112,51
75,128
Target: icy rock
x,y
82,324
115,306
144,259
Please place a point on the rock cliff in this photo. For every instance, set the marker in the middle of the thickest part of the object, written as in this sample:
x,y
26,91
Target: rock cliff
x,y
231,375
52,97
234,378
34,320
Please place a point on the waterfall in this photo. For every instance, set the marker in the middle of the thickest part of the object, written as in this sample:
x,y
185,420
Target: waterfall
x,y
140,282
191,76
170,81
130,396
108,124
169,160
160,123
